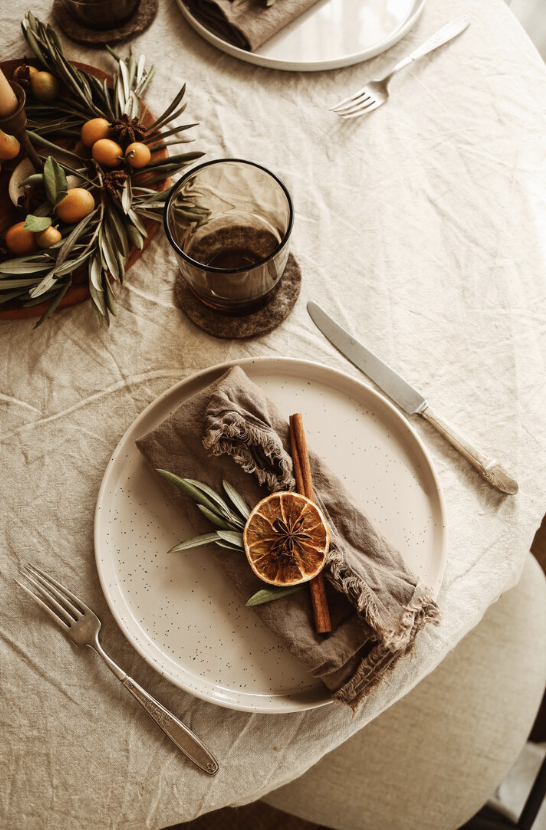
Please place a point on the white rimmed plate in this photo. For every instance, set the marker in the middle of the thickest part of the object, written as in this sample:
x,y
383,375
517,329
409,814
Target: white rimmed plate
x,y
329,35
177,609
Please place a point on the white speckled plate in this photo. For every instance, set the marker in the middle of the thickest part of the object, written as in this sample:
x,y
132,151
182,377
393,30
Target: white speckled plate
x,y
329,35
178,611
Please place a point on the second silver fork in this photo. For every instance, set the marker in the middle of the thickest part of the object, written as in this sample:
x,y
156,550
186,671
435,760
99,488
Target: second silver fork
x,y
82,626
376,92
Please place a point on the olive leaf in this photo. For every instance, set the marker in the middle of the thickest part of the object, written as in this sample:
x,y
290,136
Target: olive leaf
x,y
109,295
118,230
48,281
18,284
135,237
145,81
95,284
270,594
219,502
49,145
237,500
137,223
24,266
205,539
109,254
188,489
227,546
214,517
71,240
232,537
35,178
167,114
53,305
141,66
126,195
12,295
37,223
55,182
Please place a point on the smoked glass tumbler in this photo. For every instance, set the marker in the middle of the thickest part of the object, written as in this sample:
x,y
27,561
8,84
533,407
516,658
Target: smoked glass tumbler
x,y
229,222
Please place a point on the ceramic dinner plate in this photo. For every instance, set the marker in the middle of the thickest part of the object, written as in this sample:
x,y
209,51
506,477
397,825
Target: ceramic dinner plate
x,y
329,35
177,609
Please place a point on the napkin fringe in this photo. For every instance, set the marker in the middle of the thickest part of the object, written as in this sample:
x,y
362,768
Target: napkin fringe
x,y
420,610
220,441
382,660
370,673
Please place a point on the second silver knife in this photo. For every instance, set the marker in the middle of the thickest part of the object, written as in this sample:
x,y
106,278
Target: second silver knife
x,y
409,399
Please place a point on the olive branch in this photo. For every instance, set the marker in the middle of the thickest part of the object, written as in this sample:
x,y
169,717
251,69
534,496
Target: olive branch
x,y
100,242
230,522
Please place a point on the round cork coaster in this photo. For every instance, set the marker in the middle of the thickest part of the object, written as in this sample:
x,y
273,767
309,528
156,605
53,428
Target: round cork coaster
x,y
142,20
283,300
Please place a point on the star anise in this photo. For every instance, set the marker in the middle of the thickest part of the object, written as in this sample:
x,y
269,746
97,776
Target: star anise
x,y
31,198
126,130
112,181
290,535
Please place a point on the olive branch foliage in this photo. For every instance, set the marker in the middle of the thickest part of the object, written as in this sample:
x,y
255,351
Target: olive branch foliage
x,y
230,522
102,240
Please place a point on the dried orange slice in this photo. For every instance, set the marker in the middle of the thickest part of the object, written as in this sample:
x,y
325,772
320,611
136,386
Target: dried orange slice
x,y
286,539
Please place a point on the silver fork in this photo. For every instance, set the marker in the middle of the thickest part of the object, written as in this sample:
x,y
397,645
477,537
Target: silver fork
x,y
82,626
376,92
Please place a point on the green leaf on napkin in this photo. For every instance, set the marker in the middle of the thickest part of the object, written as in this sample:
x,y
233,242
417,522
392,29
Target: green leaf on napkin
x,y
236,498
188,489
214,518
215,509
270,594
195,542
232,537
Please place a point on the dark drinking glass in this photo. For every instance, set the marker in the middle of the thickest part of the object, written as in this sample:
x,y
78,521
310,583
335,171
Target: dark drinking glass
x,y
229,222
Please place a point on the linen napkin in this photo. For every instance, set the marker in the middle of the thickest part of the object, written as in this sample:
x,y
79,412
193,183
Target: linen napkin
x,y
249,23
231,430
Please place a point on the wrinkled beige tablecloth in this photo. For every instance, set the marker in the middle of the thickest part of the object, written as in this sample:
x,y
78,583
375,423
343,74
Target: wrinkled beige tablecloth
x,y
422,229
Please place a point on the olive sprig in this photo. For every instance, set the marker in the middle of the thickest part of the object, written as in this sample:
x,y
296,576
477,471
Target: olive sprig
x,y
229,520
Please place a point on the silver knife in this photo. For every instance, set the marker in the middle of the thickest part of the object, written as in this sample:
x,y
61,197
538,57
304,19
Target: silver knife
x,y
409,399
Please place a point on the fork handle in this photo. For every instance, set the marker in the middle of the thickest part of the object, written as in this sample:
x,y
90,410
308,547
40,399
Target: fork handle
x,y
445,34
188,743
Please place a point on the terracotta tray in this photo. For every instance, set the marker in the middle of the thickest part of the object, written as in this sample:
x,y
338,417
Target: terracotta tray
x,y
77,293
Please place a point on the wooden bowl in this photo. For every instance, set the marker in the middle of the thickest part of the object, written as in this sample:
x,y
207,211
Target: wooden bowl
x,y
77,293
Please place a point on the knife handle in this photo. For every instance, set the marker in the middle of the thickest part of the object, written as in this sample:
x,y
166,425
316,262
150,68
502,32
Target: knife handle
x,y
491,470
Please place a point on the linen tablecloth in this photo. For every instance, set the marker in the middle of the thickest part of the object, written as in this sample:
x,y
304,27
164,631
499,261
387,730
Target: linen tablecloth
x,y
421,228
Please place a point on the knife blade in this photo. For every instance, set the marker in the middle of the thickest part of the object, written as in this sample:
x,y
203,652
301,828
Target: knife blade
x,y
409,399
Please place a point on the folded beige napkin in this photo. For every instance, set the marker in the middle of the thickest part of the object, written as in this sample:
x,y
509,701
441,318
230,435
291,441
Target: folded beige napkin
x,y
231,430
247,23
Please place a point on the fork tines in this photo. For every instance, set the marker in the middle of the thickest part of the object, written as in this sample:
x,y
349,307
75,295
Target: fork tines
x,y
352,99
56,600
362,101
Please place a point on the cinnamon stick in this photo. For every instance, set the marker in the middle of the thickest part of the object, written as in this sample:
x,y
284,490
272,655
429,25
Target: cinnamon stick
x,y
304,486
